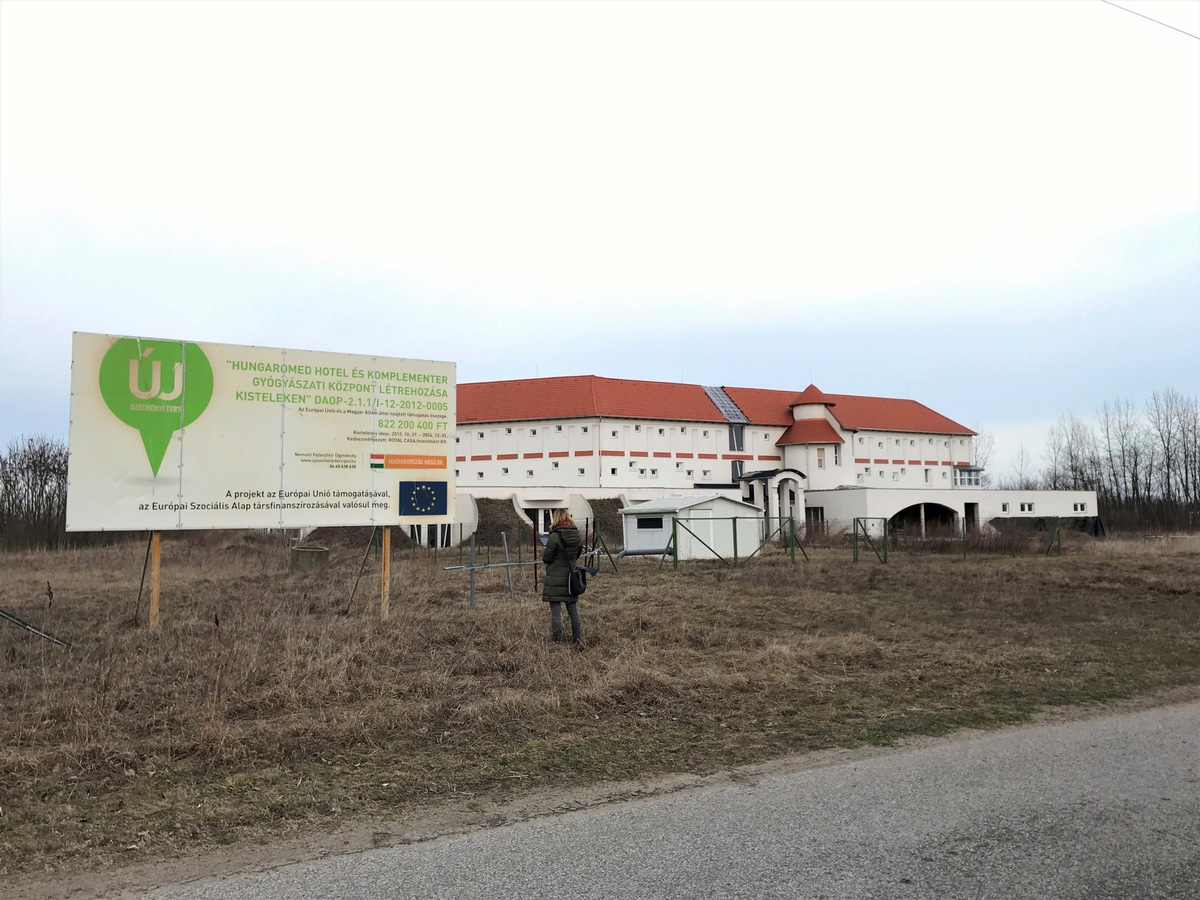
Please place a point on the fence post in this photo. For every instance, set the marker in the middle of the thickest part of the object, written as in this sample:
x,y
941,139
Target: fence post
x,y
735,547
471,602
675,541
507,568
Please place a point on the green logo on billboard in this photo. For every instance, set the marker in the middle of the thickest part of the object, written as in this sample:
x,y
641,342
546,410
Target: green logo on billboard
x,y
157,387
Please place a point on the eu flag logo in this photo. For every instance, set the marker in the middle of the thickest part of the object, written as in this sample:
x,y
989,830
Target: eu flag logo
x,y
422,498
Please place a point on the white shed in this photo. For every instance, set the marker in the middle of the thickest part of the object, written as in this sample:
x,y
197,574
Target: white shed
x,y
709,526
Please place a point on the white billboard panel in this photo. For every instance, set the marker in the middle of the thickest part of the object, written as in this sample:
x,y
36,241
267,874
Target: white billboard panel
x,y
170,434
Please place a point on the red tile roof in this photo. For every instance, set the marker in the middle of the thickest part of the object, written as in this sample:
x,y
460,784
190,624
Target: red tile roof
x,y
852,413
588,396
583,396
812,394
810,431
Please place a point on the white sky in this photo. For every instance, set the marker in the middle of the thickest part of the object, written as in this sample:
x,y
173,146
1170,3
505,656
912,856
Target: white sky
x,y
989,207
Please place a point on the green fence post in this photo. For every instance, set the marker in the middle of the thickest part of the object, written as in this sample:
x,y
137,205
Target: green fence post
x,y
675,542
735,549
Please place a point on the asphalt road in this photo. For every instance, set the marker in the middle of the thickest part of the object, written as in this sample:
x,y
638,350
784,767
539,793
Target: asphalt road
x,y
1099,808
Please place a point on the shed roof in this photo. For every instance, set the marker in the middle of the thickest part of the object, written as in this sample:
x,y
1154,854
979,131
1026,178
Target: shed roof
x,y
675,504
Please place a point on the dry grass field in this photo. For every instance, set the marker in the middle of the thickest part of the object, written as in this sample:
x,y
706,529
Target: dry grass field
x,y
268,704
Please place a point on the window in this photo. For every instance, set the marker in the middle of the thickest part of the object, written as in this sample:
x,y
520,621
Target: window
x,y
558,428
529,473
504,470
820,457
737,469
583,429
881,473
860,440
943,474
612,471
533,431
903,471
837,455
679,465
457,439
704,434
1080,507
897,442
706,472
637,427
962,443
654,473
457,473
1003,507
867,470
479,475
880,443
895,476
662,431
479,435
1027,507
945,443
554,465
927,476
580,471
688,473
912,443
965,478
683,430
508,431
641,473
614,434
645,523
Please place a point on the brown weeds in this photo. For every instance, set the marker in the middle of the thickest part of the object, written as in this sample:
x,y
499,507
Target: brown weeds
x,y
269,701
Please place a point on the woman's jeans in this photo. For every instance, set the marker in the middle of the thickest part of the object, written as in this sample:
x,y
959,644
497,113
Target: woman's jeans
x,y
556,620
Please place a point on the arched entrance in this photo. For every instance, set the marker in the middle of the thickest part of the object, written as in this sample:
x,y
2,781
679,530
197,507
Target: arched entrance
x,y
924,519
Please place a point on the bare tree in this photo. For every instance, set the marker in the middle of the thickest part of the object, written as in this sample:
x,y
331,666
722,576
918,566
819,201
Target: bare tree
x,y
33,494
985,444
1023,477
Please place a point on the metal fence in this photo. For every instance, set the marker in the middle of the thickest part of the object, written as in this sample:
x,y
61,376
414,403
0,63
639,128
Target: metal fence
x,y
730,540
683,540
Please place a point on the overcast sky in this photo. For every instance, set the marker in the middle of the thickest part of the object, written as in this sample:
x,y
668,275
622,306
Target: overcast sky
x,y
989,207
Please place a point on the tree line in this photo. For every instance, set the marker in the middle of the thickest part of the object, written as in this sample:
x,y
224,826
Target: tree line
x,y
1143,463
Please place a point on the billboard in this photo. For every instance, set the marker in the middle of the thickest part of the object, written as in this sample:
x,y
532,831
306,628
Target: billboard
x,y
169,434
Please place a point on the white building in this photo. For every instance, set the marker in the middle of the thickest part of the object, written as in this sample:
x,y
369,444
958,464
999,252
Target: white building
x,y
824,459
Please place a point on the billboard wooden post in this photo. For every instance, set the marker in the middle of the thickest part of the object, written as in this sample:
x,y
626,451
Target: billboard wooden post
x,y
155,556
386,577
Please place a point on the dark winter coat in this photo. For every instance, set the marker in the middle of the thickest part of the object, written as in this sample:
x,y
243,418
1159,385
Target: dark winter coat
x,y
563,544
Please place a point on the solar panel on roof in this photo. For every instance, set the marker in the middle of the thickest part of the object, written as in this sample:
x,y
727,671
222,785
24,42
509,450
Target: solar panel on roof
x,y
727,407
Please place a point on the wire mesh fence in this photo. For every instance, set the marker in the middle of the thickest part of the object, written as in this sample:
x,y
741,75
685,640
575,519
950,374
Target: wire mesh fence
x,y
684,540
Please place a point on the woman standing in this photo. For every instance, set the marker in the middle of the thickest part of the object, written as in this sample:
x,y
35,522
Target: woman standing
x,y
563,545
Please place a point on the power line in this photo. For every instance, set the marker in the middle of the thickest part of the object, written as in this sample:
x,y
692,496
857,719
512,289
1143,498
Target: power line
x,y
1155,21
